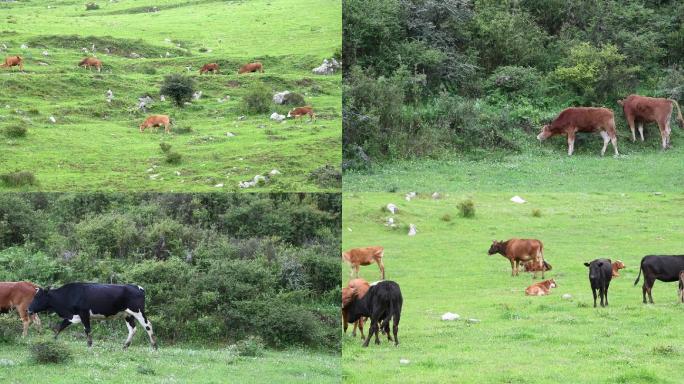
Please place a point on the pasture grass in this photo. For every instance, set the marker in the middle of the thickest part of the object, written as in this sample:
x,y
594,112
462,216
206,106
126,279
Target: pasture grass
x,y
96,145
519,339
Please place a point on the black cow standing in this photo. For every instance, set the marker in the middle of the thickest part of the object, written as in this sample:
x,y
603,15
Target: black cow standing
x,y
381,303
663,268
81,302
600,273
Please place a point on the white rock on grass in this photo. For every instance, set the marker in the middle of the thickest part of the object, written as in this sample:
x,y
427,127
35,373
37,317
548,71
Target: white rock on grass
x,y
24,46
243,117
404,361
219,185
410,196
274,172
197,95
450,316
279,97
46,53
436,196
52,119
472,321
518,199
277,117
412,230
230,134
392,208
566,296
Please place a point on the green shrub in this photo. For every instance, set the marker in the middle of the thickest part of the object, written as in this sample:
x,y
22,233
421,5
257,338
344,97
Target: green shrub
x,y
10,328
50,352
446,217
149,70
327,176
15,131
173,157
145,370
165,147
536,212
179,88
514,81
466,208
252,346
257,100
18,179
92,7
107,234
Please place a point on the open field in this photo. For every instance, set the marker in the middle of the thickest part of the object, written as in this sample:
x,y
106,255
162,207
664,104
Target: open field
x,y
519,339
95,145
106,362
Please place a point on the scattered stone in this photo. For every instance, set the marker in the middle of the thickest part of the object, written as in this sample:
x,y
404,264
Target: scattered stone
x,y
150,170
7,363
134,55
110,95
46,53
472,321
24,46
566,296
328,67
243,117
410,196
412,230
450,316
154,177
658,193
52,119
178,173
220,185
43,63
277,117
162,98
279,97
274,172
84,49
390,222
404,361
230,134
518,199
436,196
197,95
349,229
392,208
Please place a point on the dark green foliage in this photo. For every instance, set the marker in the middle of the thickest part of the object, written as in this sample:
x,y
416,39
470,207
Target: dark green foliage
x,y
536,212
257,100
145,370
252,346
327,176
466,208
165,147
15,131
10,327
18,179
92,7
50,352
294,99
173,157
179,88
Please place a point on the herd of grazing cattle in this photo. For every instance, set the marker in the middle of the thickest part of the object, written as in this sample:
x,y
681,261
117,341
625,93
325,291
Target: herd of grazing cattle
x,y
382,301
164,120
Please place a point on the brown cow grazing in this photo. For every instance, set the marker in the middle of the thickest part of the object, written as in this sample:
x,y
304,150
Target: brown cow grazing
x,y
519,250
530,266
90,62
582,119
681,286
541,288
18,295
617,265
13,61
357,257
302,111
358,288
251,67
211,67
644,110
156,120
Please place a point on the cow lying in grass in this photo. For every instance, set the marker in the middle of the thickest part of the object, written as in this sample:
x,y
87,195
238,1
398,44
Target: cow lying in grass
x,y
156,121
600,273
18,296
212,67
541,288
90,62
357,288
251,67
302,111
356,257
382,303
13,61
531,266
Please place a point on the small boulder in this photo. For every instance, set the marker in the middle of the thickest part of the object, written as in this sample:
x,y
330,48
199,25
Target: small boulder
x,y
450,316
277,117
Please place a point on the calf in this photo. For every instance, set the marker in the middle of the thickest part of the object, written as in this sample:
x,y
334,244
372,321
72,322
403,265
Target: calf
x,y
644,110
600,273
617,265
18,296
519,250
541,288
81,302
530,266
302,111
251,67
156,120
655,267
582,119
90,62
382,303
356,257
681,286
360,286
13,61
212,67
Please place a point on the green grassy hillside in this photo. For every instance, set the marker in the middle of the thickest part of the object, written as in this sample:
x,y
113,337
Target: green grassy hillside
x,y
97,145
519,339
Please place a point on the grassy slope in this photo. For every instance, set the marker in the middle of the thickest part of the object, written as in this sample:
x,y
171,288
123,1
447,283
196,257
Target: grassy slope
x,y
641,167
520,339
95,145
107,362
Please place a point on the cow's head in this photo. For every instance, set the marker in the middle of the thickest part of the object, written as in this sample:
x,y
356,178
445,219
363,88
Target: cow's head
x,y
545,133
621,102
496,247
289,114
619,264
552,283
594,268
41,301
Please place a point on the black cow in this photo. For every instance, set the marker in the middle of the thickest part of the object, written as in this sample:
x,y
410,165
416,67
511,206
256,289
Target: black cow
x,y
80,302
663,268
381,303
600,273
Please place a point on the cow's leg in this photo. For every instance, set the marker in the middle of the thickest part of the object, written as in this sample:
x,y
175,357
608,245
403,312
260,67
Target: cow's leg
x,y
571,143
142,319
85,319
25,320
650,289
630,122
606,293
355,271
641,131
395,328
36,322
65,323
668,131
606,140
593,292
373,328
382,269
663,135
130,324
360,323
643,291
512,267
613,141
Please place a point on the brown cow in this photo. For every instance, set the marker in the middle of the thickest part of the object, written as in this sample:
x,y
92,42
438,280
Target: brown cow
x,y
541,288
582,119
355,288
156,120
18,295
617,265
644,110
519,250
13,61
365,256
302,111
211,67
530,266
90,62
251,67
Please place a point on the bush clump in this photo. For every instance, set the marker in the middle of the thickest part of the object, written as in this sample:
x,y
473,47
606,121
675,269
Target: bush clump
x,y
252,346
257,100
15,131
50,352
9,329
92,7
466,208
173,157
536,212
18,179
179,88
165,147
327,176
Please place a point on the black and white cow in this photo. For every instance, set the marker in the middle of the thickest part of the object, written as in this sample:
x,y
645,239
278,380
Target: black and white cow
x,y
381,303
663,268
81,302
600,273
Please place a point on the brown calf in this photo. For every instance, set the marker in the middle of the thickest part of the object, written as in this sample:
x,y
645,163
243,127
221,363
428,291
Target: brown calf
x,y
520,250
156,120
251,67
530,266
644,110
541,288
355,288
18,295
211,67
617,265
90,62
13,61
302,111
357,257
582,119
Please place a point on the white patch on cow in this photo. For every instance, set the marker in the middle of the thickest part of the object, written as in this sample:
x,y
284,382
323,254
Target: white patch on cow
x,y
375,283
146,324
75,319
141,288
131,333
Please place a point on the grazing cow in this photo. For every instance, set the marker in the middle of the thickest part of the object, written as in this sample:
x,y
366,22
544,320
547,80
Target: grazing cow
x,y
656,267
81,302
90,62
644,110
302,111
13,61
681,286
582,119
18,295
360,286
212,67
600,273
156,120
519,250
530,266
356,257
251,67
381,303
541,288
617,265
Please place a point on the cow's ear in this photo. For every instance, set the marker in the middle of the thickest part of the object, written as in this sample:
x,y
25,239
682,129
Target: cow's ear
x,y
586,264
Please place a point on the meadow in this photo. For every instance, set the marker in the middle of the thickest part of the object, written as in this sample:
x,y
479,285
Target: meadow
x,y
514,338
96,145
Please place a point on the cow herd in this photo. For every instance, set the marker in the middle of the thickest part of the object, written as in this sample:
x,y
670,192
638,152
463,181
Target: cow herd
x,y
637,109
78,303
164,120
382,301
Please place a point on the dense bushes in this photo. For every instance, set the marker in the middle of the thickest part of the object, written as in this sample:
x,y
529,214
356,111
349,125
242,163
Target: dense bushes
x,y
179,88
215,268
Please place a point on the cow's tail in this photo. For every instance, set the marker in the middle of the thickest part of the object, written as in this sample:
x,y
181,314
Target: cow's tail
x,y
641,267
680,119
390,314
